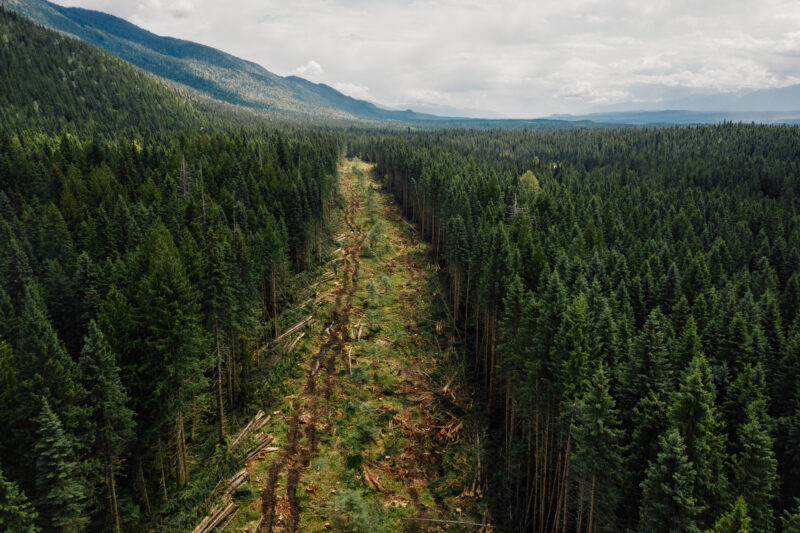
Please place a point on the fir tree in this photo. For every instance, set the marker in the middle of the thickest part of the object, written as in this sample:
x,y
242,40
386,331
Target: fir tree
x,y
693,412
111,419
16,513
667,502
60,495
735,520
598,458
754,470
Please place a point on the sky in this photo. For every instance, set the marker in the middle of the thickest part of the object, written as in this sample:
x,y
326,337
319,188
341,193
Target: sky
x,y
518,59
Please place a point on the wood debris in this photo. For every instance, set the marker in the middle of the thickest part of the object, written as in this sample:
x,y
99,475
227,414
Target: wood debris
x,y
263,443
255,424
209,523
371,480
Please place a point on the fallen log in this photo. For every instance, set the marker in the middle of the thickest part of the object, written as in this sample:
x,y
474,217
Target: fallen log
x,y
210,522
229,520
294,342
291,330
255,424
371,480
323,280
263,443
240,478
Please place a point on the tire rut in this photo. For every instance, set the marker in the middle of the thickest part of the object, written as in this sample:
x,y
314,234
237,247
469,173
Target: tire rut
x,y
297,454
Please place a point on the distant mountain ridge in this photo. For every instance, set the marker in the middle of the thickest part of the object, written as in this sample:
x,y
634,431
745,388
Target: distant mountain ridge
x,y
203,68
670,116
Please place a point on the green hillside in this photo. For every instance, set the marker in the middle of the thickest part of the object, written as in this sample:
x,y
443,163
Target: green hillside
x,y
205,69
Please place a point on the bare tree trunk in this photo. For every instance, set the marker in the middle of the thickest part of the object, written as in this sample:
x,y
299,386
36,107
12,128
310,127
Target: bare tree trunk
x,y
142,484
466,303
566,477
274,302
163,473
590,529
230,365
203,194
112,494
180,445
220,402
581,498
184,178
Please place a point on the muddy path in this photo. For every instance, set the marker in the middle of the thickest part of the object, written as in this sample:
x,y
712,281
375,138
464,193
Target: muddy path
x,y
282,514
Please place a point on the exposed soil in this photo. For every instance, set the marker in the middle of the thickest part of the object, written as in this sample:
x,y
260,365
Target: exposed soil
x,y
377,425
297,454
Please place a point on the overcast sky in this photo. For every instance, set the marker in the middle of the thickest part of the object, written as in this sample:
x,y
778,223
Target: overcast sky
x,y
518,58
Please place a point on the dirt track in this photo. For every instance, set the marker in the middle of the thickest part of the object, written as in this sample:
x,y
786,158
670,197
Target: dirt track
x,y
283,514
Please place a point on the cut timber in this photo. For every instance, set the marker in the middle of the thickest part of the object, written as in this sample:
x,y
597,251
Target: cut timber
x,y
323,280
263,443
216,518
240,478
294,343
229,520
372,480
487,527
255,424
292,329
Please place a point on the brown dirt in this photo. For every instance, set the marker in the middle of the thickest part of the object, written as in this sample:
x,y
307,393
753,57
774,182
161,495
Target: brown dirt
x,y
302,445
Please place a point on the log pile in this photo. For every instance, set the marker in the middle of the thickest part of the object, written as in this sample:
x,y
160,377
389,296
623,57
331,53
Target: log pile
x,y
261,446
255,424
209,523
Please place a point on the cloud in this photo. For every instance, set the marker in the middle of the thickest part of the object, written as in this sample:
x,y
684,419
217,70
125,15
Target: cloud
x,y
351,89
181,9
516,57
309,69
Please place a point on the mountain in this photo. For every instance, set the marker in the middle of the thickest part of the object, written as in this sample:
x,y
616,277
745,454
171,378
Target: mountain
x,y
51,81
203,68
684,117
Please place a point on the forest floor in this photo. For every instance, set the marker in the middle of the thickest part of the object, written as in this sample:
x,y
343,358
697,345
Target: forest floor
x,y
378,435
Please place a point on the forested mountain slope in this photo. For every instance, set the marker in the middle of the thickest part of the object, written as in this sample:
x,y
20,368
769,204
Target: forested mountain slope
x,y
210,71
142,262
632,302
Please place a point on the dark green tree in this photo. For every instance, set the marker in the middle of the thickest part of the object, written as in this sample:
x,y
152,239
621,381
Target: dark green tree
x,y
667,501
60,494
598,457
734,520
112,420
694,413
16,513
754,470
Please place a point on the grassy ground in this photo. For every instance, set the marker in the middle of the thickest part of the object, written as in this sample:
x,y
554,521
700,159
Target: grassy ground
x,y
378,432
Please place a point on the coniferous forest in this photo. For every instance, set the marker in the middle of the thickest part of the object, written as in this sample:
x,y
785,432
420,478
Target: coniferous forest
x,y
627,300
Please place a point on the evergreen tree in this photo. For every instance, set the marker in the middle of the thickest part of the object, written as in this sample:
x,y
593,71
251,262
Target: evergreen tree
x,y
693,412
111,419
667,502
60,494
735,520
791,519
16,513
167,309
754,470
598,457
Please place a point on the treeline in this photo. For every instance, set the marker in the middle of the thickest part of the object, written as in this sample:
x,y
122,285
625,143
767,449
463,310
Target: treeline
x,y
142,262
632,301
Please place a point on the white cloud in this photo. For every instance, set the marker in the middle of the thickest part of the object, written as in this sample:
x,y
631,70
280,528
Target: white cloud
x,y
181,9
312,68
516,57
351,89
